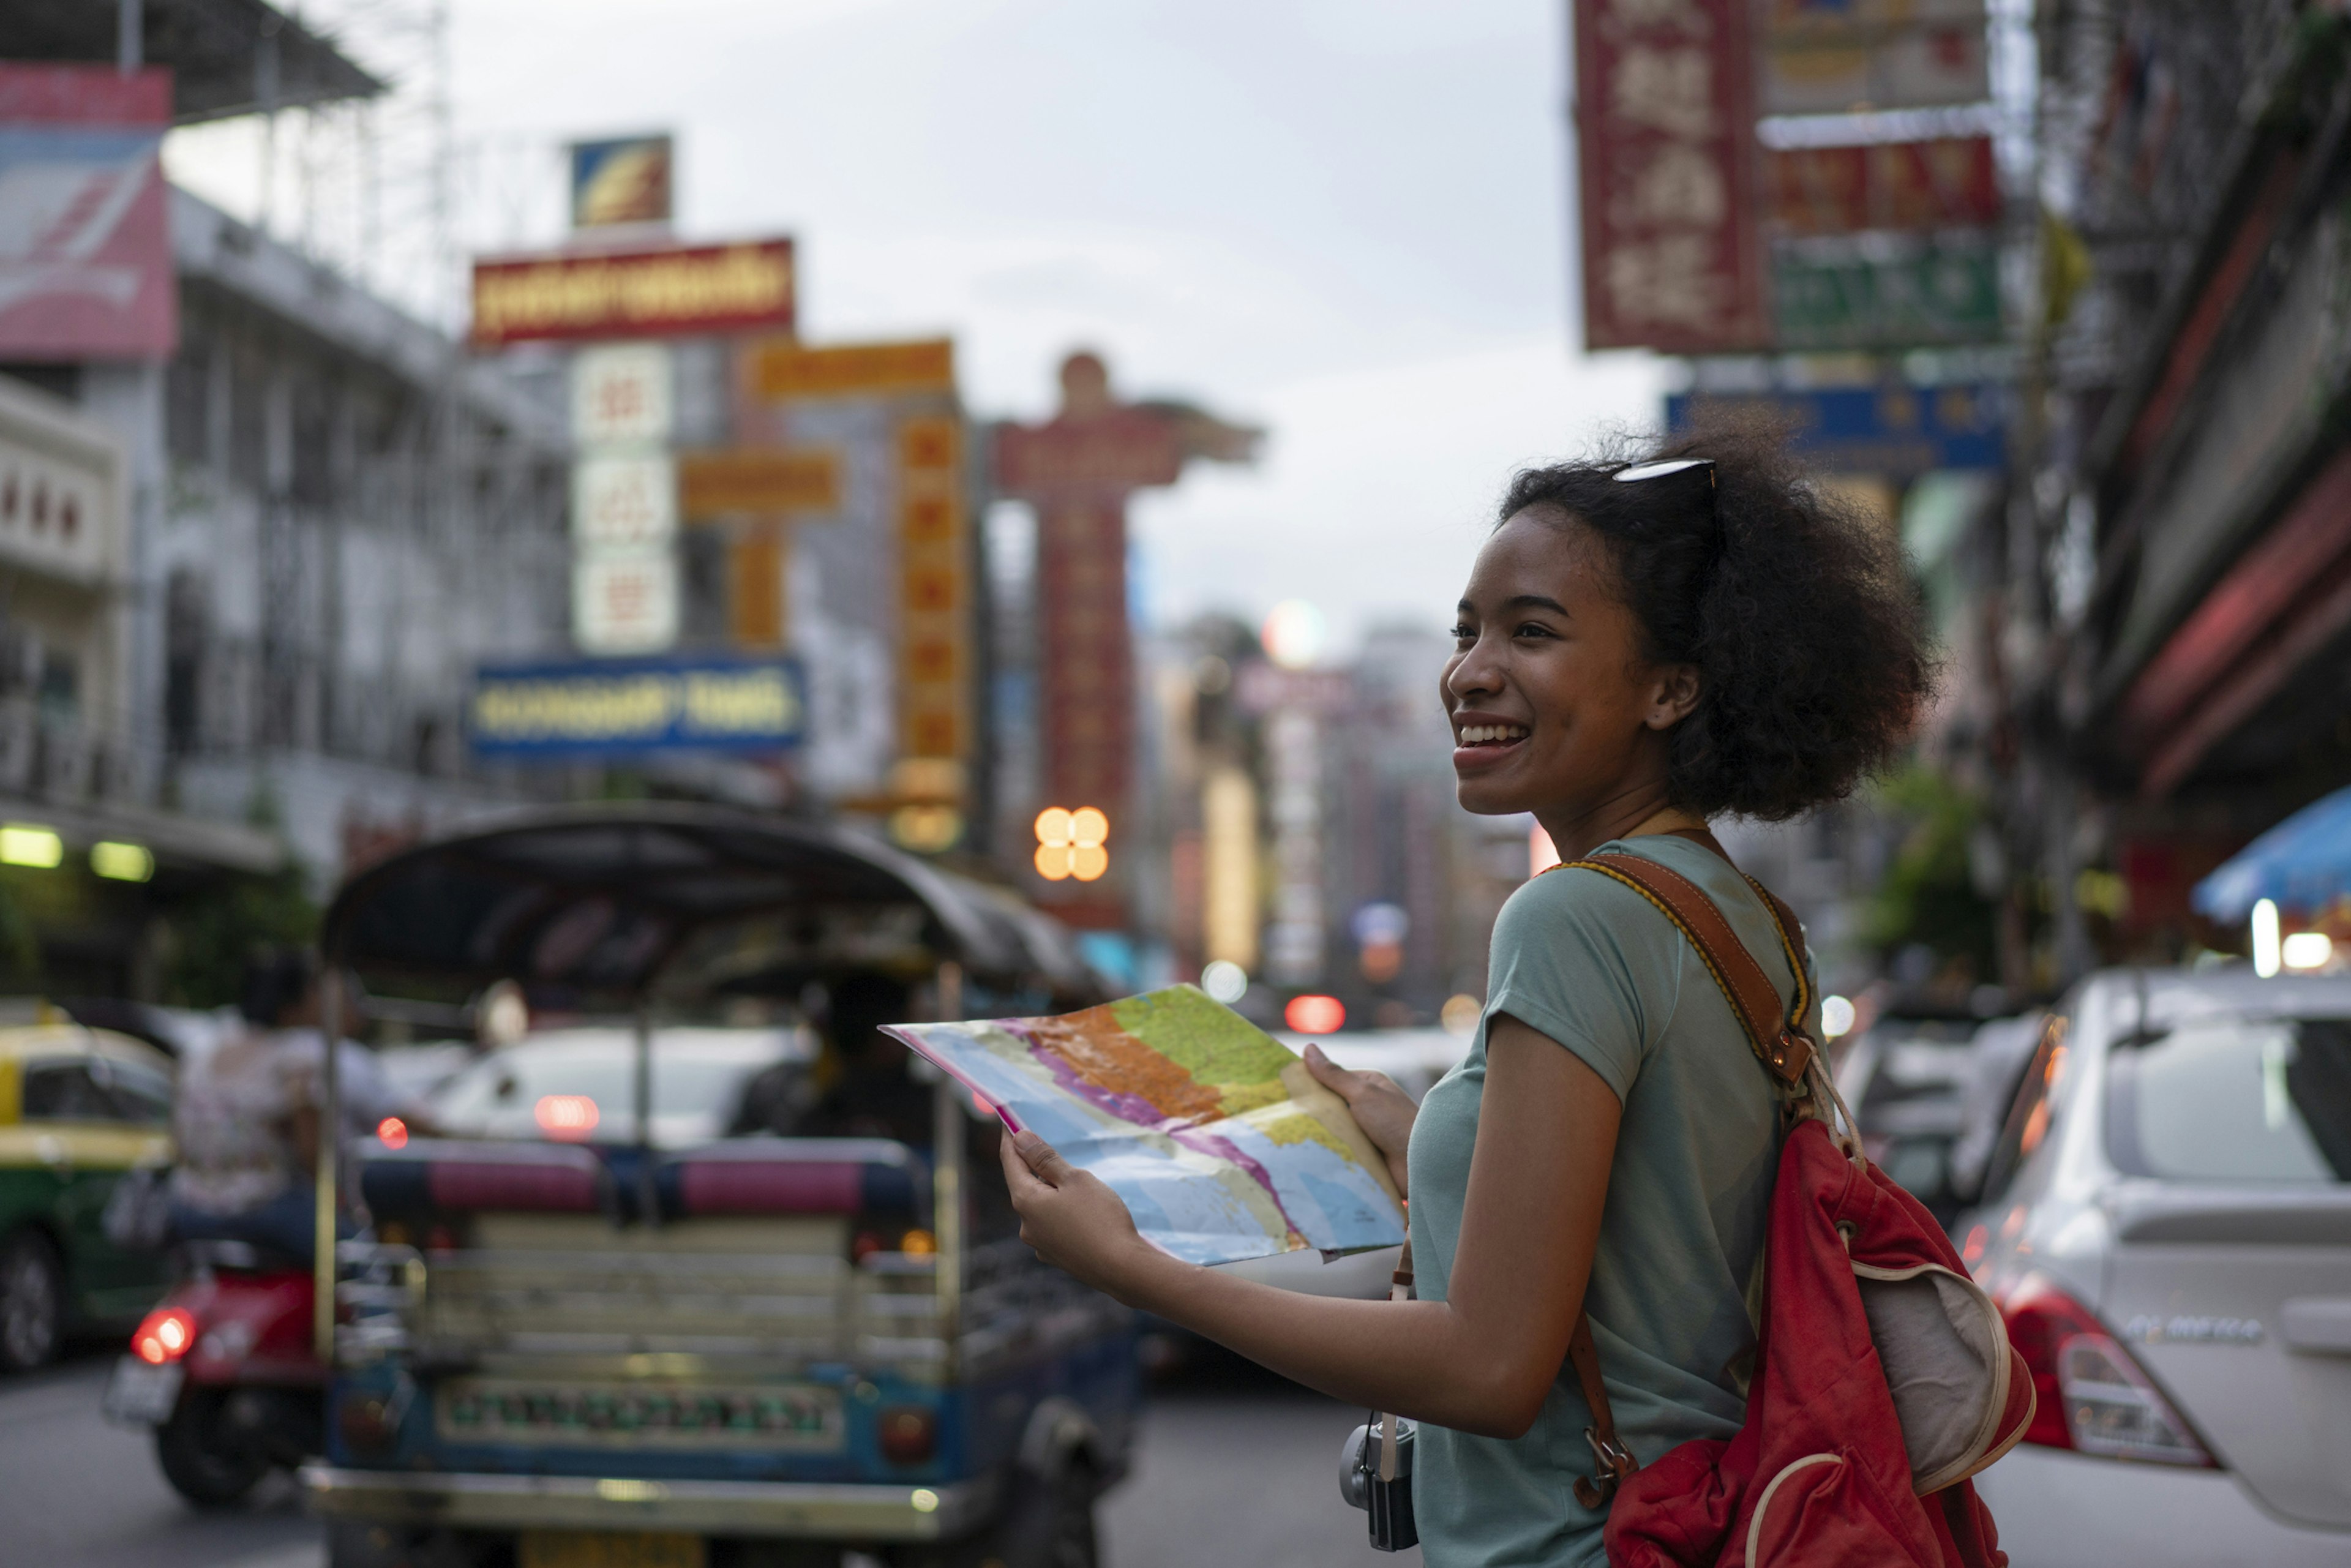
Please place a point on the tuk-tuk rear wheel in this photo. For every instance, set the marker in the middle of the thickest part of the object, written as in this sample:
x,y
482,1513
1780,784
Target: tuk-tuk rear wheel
x,y
1047,1523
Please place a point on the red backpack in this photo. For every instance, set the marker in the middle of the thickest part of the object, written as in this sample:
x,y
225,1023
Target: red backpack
x,y
1884,1377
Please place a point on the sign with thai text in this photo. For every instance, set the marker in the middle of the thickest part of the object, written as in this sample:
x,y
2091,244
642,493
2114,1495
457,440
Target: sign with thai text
x,y
785,370
668,292
1665,118
759,481
1946,183
85,267
614,708
1898,432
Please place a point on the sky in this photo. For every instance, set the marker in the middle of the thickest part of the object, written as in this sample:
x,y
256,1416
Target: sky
x,y
1346,221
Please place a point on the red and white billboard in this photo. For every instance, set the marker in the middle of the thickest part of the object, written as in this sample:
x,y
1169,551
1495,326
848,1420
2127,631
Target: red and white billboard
x,y
85,246
1665,115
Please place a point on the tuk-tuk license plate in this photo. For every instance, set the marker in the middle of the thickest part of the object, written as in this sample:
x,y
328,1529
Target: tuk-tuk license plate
x,y
142,1393
609,1549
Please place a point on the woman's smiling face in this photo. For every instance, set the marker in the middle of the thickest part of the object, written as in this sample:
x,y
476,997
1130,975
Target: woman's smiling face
x,y
1556,707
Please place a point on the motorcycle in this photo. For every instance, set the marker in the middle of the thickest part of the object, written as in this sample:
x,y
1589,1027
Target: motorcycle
x,y
226,1373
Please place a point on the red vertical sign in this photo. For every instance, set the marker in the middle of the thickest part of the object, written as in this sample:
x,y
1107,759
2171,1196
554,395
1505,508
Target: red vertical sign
x,y
1665,115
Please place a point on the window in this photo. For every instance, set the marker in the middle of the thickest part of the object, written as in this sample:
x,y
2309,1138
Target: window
x,y
141,1096
2029,1113
2222,1100
64,1091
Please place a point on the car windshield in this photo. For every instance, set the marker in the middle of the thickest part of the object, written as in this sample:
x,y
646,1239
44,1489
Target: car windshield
x,y
2263,1099
580,1085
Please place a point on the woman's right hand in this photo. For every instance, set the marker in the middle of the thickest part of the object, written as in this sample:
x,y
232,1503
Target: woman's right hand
x,y
1381,1109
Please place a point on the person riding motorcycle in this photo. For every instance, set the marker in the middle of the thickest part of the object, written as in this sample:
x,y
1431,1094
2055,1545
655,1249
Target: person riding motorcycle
x,y
247,1116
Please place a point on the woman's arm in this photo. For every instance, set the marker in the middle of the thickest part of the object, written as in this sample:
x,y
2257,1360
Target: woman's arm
x,y
1481,1361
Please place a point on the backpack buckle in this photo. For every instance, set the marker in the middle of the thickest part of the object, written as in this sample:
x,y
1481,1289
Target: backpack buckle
x,y
1612,1463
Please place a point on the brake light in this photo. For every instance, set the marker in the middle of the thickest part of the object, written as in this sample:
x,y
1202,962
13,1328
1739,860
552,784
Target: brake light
x,y
908,1434
392,1132
566,1115
2091,1395
164,1335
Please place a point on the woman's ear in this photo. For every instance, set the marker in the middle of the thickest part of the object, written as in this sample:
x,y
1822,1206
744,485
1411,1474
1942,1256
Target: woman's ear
x,y
1673,695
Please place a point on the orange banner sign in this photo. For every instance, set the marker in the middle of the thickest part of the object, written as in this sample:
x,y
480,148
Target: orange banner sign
x,y
785,370
759,481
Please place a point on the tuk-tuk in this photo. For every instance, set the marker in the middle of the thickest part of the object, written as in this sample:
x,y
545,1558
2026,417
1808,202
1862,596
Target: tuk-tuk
x,y
761,1350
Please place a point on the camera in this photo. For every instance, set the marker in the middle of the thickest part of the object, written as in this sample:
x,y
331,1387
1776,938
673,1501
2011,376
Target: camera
x,y
1388,1502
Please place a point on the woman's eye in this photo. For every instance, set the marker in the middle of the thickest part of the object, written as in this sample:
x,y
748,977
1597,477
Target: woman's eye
x,y
1532,629
1464,633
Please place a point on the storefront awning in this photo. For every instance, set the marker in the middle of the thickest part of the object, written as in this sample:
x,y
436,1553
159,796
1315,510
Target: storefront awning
x,y
2302,863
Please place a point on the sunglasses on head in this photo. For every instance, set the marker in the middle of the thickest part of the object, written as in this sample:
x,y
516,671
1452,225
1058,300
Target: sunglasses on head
x,y
1638,472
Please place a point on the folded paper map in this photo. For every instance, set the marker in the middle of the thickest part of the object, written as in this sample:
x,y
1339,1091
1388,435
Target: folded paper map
x,y
1222,1144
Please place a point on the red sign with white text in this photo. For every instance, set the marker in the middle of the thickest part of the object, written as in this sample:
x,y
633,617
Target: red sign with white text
x,y
1672,254
1940,185
84,242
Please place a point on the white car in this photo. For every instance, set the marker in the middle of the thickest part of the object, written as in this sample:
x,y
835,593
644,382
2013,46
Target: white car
x,y
2167,1226
579,1085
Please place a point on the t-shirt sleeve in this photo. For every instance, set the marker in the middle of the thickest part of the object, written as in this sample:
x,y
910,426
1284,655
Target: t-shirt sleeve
x,y
1574,957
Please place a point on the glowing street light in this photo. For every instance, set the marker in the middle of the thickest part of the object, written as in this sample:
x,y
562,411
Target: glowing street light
x,y
1070,844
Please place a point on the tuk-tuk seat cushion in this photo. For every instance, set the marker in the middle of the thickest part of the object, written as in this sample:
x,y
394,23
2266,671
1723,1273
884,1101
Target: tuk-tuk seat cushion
x,y
794,1176
448,1175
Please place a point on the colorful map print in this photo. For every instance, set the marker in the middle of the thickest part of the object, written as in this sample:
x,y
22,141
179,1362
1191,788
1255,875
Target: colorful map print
x,y
1220,1142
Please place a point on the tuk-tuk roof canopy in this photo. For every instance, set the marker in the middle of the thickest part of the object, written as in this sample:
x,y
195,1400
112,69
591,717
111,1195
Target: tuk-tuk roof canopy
x,y
599,899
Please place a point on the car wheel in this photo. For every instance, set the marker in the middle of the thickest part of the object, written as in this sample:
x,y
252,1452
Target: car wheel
x,y
205,1462
32,1302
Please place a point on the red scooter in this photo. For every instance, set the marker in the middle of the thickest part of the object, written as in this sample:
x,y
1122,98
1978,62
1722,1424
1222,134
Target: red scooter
x,y
224,1371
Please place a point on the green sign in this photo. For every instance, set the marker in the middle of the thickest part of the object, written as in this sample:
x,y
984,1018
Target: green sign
x,y
1841,296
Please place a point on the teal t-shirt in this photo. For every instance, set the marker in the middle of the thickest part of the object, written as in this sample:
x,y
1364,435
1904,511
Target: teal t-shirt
x,y
1593,966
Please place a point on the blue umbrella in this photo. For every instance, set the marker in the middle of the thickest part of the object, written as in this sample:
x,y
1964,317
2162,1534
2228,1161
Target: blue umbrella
x,y
2303,862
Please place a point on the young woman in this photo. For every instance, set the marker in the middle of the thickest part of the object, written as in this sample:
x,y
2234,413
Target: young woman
x,y
1637,651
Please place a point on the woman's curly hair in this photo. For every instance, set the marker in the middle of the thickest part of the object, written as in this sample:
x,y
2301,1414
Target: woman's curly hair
x,y
1797,610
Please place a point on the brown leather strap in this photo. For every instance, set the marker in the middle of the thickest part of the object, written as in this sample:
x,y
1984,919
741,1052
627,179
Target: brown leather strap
x,y
1611,1460
1774,1029
1777,1035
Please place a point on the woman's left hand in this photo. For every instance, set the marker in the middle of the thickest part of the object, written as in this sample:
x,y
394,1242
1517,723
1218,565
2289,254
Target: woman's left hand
x,y
1071,1218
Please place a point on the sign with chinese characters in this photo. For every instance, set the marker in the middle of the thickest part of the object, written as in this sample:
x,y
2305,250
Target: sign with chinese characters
x,y
85,267
621,180
621,394
934,618
664,292
1672,254
1900,432
625,602
1839,56
629,708
1944,184
624,500
1831,295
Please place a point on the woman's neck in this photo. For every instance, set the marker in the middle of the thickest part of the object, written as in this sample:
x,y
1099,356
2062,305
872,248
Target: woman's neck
x,y
1629,816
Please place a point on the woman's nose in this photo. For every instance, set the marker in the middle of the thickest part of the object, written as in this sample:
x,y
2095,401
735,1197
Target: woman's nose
x,y
1471,673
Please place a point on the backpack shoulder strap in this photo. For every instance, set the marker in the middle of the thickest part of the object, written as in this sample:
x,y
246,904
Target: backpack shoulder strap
x,y
1776,1034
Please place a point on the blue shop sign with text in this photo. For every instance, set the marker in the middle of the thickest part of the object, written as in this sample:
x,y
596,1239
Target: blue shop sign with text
x,y
628,707
1896,431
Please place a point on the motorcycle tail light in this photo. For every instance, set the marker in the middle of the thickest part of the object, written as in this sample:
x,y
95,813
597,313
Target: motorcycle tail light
x,y
2092,1395
164,1335
908,1434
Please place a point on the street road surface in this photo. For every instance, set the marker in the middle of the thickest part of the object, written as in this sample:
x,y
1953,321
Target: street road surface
x,y
1234,1471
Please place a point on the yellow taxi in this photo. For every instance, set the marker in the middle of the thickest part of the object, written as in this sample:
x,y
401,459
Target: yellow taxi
x,y
79,1110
